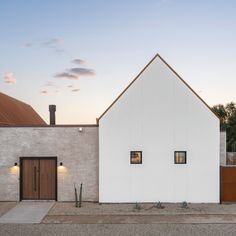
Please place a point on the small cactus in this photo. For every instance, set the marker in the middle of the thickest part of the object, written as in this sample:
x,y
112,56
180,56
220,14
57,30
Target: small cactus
x,y
76,197
159,205
80,195
137,206
184,205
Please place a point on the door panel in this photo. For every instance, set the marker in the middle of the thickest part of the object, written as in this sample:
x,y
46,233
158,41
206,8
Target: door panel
x,y
30,179
38,178
47,179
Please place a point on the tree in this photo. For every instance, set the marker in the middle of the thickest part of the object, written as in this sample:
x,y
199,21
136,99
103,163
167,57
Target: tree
x,y
227,116
221,112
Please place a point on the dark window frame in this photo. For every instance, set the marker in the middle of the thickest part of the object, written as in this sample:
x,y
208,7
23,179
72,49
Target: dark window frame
x,y
180,163
137,163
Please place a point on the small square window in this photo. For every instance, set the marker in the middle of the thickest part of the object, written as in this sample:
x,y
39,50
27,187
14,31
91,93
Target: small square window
x,y
135,157
180,157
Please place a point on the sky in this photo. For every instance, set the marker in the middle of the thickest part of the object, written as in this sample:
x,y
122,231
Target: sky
x,y
80,55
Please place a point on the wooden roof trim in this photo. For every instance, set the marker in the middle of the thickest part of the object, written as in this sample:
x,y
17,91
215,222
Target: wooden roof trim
x,y
46,126
178,76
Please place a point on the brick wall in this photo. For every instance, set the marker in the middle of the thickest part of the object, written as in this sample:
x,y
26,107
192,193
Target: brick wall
x,y
222,148
77,150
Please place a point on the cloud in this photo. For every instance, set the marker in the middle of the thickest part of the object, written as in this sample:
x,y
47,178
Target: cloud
x,y
50,84
44,92
82,71
51,43
54,44
66,75
75,90
28,45
59,51
78,61
75,73
9,78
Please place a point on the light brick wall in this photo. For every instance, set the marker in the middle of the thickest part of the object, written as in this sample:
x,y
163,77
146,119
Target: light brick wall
x,y
77,150
222,148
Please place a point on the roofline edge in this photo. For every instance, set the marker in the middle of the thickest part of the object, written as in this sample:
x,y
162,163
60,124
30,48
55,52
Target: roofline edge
x,y
178,76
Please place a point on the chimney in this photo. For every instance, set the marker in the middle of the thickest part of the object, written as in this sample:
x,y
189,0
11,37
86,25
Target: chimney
x,y
52,110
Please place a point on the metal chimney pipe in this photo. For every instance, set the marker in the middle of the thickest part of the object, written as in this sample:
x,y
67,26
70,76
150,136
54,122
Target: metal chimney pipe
x,y
52,110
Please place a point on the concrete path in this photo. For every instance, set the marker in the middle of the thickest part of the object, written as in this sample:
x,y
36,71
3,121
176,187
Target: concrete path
x,y
27,212
6,206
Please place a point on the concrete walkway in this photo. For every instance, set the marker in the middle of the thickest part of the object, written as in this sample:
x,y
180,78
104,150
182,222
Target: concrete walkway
x,y
27,212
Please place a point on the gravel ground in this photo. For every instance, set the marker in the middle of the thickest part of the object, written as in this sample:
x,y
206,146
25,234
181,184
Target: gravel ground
x,y
141,219
123,220
6,206
68,208
118,229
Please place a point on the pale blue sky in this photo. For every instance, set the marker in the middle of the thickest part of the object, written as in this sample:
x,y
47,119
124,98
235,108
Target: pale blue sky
x,y
115,39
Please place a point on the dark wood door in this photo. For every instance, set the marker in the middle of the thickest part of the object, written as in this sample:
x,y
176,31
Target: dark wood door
x,y
30,179
47,183
228,184
38,179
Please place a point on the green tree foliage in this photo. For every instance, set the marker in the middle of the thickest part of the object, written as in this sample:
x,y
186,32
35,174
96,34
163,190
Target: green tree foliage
x,y
227,116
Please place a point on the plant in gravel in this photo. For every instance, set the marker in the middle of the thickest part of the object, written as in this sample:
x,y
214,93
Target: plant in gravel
x,y
159,205
76,197
80,195
184,205
137,206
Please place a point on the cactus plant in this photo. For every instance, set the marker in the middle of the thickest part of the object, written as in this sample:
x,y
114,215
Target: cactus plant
x,y
159,205
184,205
137,206
80,195
76,197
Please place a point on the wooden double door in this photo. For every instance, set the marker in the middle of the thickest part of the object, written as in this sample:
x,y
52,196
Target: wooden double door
x,y
38,178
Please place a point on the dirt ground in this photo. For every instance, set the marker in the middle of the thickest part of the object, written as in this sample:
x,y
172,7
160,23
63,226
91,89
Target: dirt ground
x,y
141,219
123,219
68,208
95,213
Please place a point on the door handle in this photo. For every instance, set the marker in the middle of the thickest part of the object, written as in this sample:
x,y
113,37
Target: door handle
x,y
35,178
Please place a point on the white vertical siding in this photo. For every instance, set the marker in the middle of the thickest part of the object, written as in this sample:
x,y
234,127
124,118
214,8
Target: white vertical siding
x,y
158,115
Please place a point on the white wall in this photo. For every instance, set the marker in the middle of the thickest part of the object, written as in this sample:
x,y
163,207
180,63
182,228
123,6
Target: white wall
x,y
159,114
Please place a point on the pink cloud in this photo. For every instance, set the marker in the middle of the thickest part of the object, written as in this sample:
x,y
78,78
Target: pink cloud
x,y
75,90
9,78
44,92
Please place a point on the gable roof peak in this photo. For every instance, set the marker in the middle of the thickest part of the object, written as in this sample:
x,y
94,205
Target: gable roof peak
x,y
147,65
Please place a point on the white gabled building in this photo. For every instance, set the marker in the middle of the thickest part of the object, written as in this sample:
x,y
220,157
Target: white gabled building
x,y
162,124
